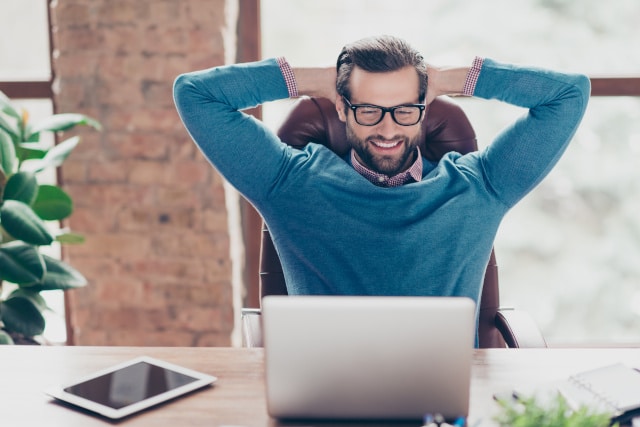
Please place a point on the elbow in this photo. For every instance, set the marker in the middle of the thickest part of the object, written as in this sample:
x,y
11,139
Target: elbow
x,y
583,86
179,85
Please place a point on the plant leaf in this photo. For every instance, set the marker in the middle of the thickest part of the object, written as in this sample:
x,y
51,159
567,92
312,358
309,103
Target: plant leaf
x,y
530,411
3,181
13,124
62,122
12,129
5,338
6,106
34,296
59,276
22,186
7,153
70,238
20,314
31,150
21,264
52,203
55,156
22,223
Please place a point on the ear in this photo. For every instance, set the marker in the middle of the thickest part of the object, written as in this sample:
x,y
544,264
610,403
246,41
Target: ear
x,y
340,109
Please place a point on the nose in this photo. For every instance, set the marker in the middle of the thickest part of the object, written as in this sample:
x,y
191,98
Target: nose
x,y
387,126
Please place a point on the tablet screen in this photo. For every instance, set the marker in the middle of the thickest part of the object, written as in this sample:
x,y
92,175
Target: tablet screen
x,y
129,385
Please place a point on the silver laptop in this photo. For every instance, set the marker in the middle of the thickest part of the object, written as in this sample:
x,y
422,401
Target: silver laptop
x,y
347,357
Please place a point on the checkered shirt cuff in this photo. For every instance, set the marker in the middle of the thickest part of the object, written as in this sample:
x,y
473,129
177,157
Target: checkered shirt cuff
x,y
289,77
472,77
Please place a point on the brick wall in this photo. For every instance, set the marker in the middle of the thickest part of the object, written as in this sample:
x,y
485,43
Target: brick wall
x,y
151,208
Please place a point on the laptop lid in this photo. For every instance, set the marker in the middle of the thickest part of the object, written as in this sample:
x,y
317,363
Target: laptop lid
x,y
351,357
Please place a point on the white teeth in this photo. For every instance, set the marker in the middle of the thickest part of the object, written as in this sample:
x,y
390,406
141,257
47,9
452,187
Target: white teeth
x,y
386,145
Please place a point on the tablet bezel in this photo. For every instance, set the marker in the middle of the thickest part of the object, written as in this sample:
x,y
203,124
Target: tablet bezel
x,y
201,380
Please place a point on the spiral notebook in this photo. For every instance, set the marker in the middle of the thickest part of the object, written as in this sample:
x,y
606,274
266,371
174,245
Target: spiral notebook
x,y
614,389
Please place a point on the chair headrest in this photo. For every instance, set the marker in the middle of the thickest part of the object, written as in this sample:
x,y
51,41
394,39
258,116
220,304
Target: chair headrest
x,y
445,128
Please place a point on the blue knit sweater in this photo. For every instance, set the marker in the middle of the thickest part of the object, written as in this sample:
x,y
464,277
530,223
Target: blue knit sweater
x,y
335,232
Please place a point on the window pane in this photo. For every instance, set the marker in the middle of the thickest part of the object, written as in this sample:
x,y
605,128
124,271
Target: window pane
x,y
590,36
569,252
24,41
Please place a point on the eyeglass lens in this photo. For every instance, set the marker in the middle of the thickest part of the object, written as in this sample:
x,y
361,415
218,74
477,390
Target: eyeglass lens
x,y
405,115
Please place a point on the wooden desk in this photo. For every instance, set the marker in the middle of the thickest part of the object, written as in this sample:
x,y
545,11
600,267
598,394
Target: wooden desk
x,y
238,398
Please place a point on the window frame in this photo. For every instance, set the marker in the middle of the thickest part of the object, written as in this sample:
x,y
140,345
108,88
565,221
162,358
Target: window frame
x,y
42,90
35,89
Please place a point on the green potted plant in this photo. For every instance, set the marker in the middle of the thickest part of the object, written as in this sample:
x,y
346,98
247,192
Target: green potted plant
x,y
25,207
530,411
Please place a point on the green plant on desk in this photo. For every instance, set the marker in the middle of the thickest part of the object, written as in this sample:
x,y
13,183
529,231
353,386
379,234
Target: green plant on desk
x,y
25,206
529,412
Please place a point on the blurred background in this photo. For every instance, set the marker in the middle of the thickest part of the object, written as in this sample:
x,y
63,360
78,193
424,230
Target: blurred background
x,y
569,254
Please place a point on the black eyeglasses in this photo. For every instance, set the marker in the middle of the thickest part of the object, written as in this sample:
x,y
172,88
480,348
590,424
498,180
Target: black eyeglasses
x,y
371,115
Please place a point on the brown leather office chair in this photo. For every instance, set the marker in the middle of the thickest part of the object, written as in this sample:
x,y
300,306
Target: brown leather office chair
x,y
445,128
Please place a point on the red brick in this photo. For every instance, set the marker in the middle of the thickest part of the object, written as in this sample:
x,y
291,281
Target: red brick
x,y
118,93
125,42
96,196
76,65
187,269
123,12
148,172
108,171
190,173
163,41
206,14
137,145
184,174
157,92
75,12
111,245
213,339
78,39
74,171
157,120
191,244
75,90
194,317
172,195
219,270
91,220
183,148
151,207
145,219
214,220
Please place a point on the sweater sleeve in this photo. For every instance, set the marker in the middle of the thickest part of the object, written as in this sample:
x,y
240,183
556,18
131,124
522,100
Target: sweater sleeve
x,y
240,147
525,152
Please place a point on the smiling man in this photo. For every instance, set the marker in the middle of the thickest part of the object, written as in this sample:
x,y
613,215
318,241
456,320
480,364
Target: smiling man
x,y
383,220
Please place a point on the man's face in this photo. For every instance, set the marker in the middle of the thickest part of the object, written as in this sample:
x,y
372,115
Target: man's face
x,y
386,147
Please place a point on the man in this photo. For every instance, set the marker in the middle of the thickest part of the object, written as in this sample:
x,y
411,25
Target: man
x,y
383,220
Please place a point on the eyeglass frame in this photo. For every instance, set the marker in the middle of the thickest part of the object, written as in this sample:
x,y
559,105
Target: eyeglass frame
x,y
385,110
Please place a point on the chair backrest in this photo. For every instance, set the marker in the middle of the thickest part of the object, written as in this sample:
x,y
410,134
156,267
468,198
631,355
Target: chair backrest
x,y
445,128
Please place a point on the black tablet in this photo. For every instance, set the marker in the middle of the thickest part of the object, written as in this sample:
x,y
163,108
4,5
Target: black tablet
x,y
129,387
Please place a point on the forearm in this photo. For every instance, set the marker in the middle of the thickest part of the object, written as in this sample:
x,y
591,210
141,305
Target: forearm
x,y
446,81
524,152
317,82
209,101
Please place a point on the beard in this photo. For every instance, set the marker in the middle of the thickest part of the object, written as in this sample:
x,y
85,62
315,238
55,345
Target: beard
x,y
384,164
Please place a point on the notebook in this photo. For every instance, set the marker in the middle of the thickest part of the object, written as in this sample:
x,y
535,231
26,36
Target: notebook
x,y
349,357
614,389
